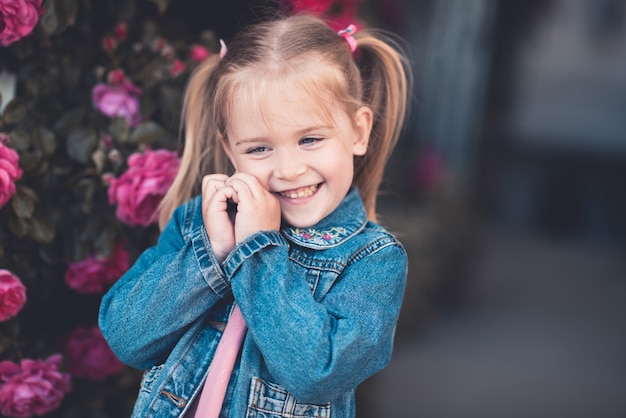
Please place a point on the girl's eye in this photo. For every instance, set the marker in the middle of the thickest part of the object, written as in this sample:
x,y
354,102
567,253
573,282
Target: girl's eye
x,y
257,150
309,141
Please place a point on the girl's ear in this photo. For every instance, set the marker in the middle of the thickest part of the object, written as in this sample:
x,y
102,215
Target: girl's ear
x,y
363,127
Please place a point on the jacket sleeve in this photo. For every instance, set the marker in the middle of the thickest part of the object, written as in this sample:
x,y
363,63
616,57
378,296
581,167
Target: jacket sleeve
x,y
318,350
169,289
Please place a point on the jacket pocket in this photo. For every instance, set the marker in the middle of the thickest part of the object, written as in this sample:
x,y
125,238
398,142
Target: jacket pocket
x,y
149,376
268,400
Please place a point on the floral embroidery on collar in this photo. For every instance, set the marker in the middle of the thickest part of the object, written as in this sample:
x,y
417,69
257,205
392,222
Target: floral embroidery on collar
x,y
313,236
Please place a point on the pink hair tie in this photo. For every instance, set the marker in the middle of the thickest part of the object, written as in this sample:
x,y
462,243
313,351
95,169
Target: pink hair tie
x,y
347,34
223,49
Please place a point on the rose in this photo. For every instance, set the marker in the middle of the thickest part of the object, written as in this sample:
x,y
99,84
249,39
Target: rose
x,y
92,274
34,387
10,171
199,53
12,295
118,101
17,19
139,190
89,355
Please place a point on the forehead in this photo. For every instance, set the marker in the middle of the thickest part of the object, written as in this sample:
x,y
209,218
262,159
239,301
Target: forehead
x,y
279,105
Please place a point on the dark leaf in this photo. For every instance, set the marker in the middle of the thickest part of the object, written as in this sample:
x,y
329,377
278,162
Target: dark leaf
x,y
69,121
80,144
147,132
85,189
161,5
24,202
103,245
28,161
119,129
15,111
58,16
41,230
45,140
20,139
18,226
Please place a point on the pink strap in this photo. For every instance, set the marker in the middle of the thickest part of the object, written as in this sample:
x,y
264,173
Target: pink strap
x,y
212,397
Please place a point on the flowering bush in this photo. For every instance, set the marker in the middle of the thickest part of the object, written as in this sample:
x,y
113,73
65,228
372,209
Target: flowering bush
x,y
10,171
139,190
17,19
34,387
88,135
94,273
89,355
12,295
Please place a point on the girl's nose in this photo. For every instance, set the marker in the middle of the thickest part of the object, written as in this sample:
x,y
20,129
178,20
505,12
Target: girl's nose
x,y
289,166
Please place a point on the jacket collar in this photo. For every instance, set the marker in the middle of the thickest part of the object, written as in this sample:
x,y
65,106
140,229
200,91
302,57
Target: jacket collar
x,y
344,222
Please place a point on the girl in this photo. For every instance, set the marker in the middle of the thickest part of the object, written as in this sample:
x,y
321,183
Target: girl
x,y
296,123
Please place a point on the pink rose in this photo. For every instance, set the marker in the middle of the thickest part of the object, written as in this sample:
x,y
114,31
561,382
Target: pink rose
x,y
12,295
177,67
10,171
35,387
139,190
92,274
199,53
17,19
118,101
89,355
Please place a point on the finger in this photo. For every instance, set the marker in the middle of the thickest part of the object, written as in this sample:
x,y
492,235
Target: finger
x,y
251,182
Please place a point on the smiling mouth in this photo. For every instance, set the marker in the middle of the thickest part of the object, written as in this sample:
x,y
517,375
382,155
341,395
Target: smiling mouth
x,y
301,192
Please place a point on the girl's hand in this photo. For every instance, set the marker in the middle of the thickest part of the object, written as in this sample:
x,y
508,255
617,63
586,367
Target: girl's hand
x,y
257,208
219,228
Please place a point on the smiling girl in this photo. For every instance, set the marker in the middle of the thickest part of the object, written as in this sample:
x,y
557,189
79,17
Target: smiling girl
x,y
269,232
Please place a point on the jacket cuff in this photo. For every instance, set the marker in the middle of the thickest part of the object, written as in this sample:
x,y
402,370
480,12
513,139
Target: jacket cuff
x,y
250,246
208,264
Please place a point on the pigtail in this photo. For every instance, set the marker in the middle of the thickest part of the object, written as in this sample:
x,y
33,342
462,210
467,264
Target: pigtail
x,y
386,80
197,141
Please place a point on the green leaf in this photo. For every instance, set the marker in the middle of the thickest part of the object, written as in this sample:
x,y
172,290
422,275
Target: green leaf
x,y
24,202
146,132
81,143
41,230
20,139
45,140
15,111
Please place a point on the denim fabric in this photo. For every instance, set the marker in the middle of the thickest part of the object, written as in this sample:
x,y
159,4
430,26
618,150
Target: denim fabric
x,y
321,305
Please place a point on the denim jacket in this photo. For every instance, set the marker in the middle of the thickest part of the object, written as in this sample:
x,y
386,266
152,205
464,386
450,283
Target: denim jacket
x,y
321,305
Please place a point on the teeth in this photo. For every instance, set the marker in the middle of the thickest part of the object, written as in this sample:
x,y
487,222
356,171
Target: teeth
x,y
299,193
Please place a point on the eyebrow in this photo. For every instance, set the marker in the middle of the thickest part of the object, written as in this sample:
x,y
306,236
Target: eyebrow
x,y
301,132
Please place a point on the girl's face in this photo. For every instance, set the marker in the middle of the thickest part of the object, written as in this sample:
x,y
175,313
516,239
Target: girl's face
x,y
297,154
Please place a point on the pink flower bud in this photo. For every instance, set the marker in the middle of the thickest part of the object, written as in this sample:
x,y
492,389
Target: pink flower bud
x,y
12,295
10,171
199,53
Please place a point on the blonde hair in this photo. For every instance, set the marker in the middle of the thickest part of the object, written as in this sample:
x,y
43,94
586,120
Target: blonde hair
x,y
301,52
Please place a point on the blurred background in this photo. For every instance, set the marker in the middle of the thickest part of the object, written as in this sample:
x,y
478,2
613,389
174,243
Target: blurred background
x,y
515,219
507,189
